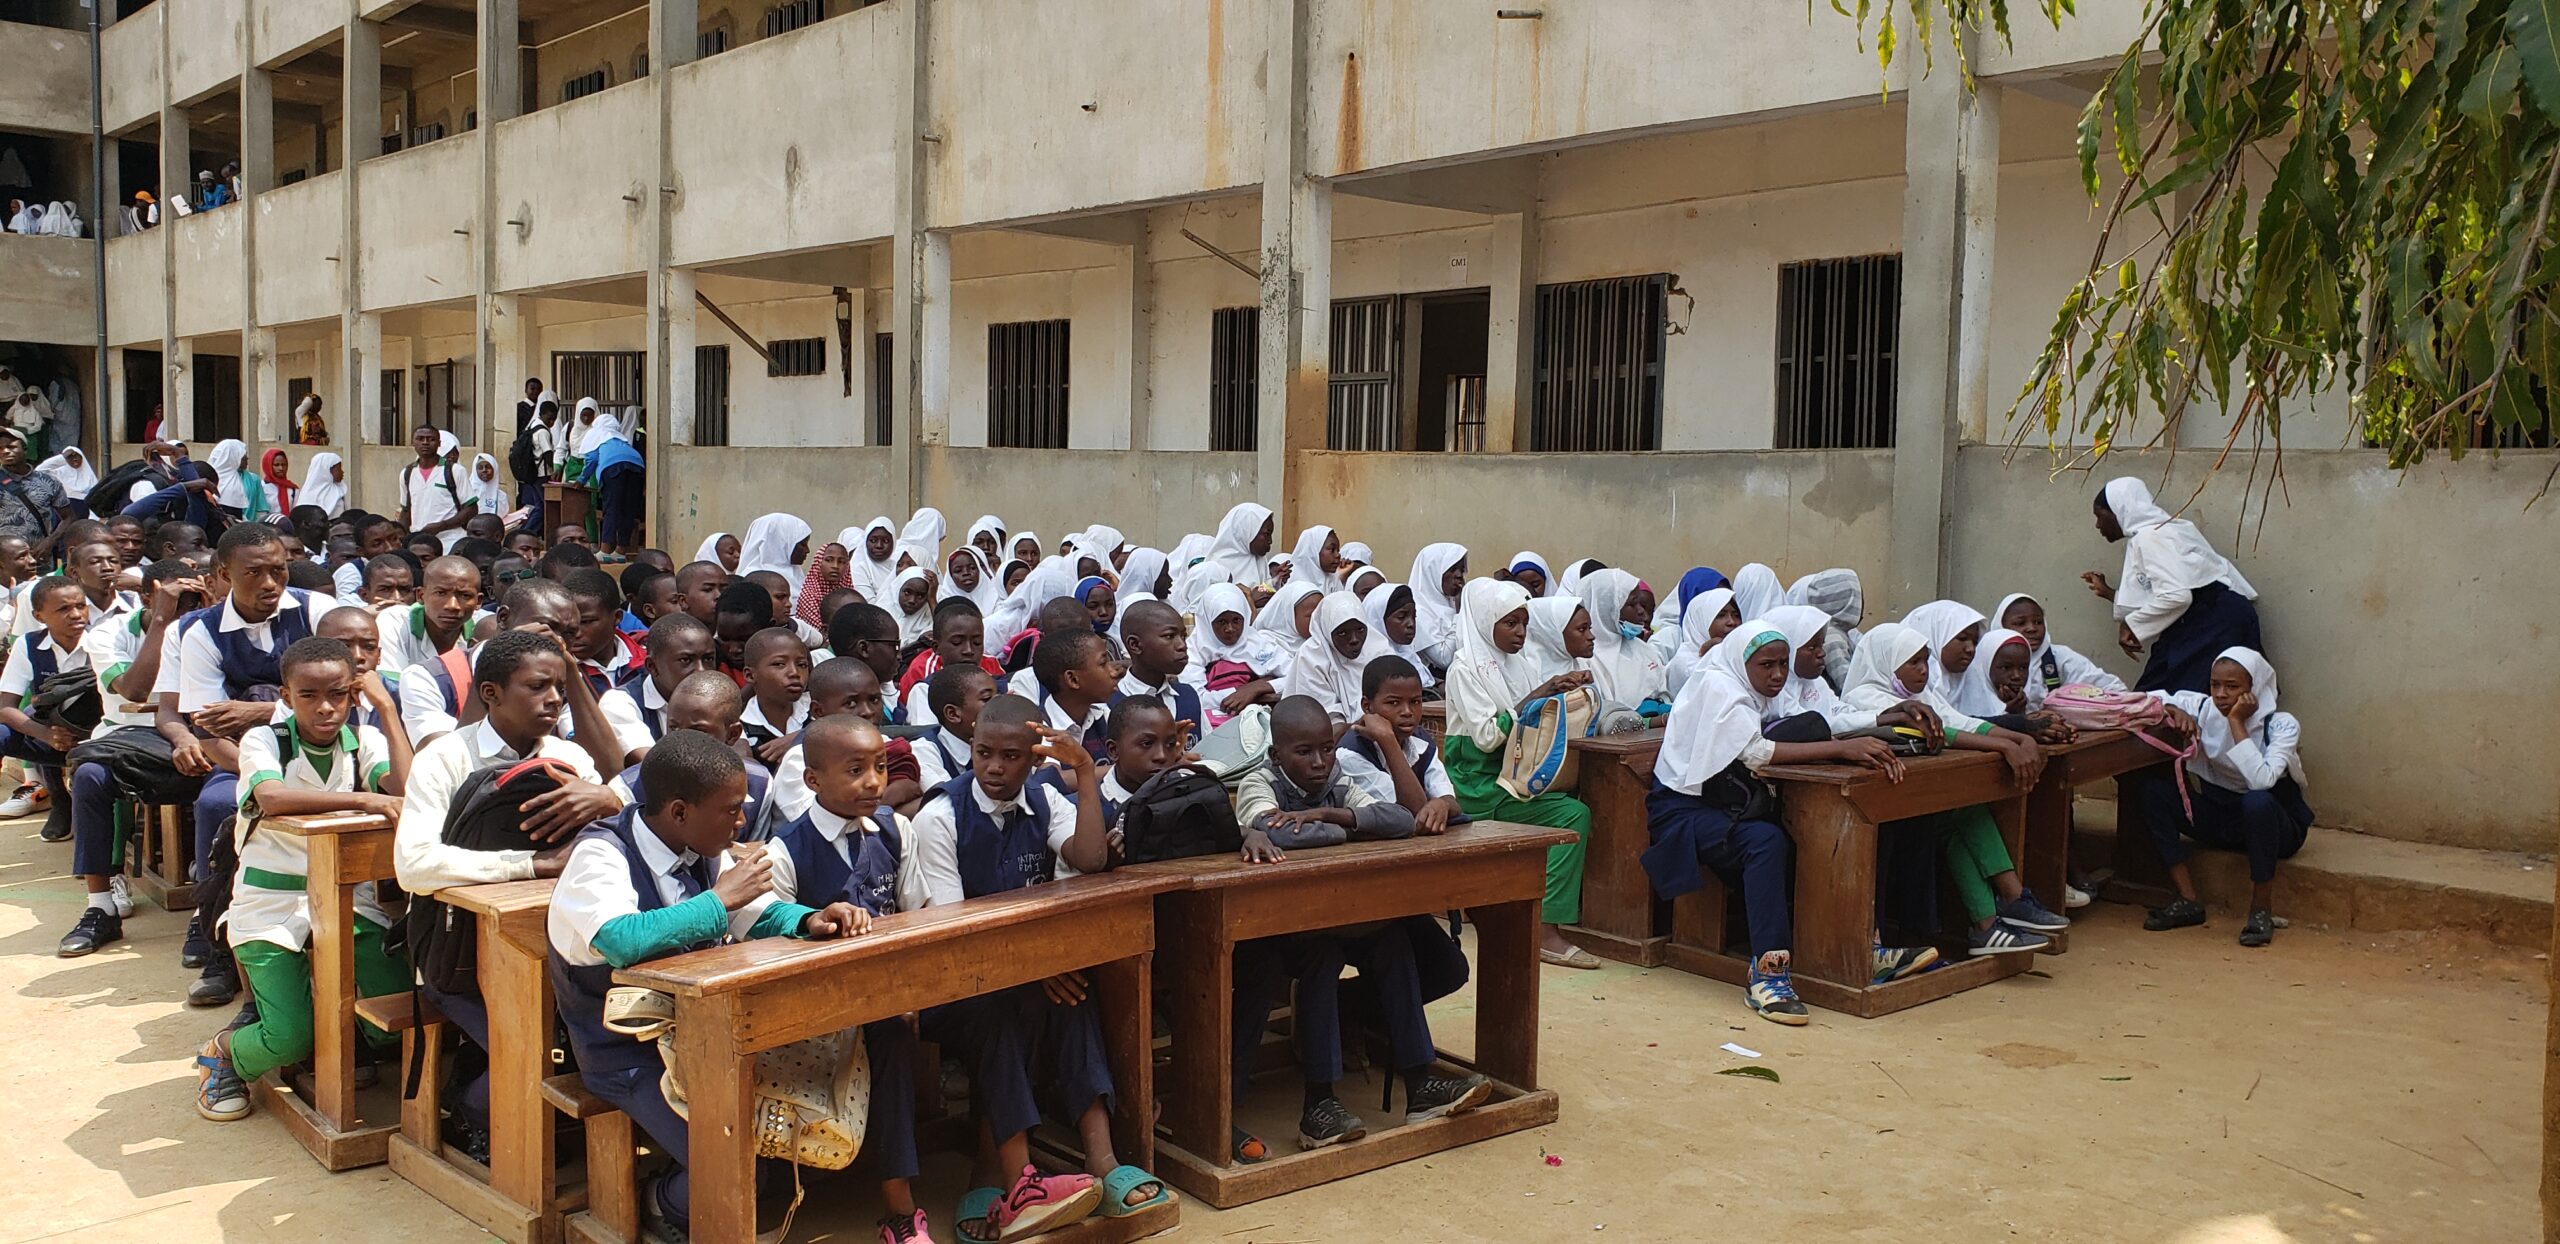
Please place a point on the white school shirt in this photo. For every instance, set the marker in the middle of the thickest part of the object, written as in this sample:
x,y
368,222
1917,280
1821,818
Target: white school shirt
x,y
934,845
419,856
1813,695
23,620
112,647
1131,684
833,830
18,676
283,917
595,890
929,770
622,707
429,501
347,579
753,715
1381,785
2256,762
196,674
403,632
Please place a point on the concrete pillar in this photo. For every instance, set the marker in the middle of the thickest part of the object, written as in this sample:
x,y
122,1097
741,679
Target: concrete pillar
x,y
113,399
1951,169
174,179
360,401
262,411
673,27
920,277
501,63
501,96
1297,268
1133,288
1510,347
681,334
263,405
179,393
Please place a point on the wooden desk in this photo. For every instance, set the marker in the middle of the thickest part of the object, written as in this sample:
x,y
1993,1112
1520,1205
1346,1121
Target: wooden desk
x,y
1496,870
733,1002
1833,813
564,504
1621,919
515,1197
2094,756
347,850
163,863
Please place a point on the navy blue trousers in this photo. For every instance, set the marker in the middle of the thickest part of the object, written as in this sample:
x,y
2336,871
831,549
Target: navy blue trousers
x,y
1022,1047
216,802
1754,856
2267,825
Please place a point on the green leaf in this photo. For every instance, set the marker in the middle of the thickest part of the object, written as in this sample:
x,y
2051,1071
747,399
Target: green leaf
x,y
2534,26
1769,1074
2127,107
2493,86
2091,119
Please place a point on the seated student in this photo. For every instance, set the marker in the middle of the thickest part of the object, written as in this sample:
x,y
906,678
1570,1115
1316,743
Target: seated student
x,y
698,587
1395,618
482,554
561,558
777,692
2049,665
384,584
849,848
778,590
2244,789
868,634
489,525
706,702
525,542
316,760
657,880
305,574
993,831
1301,800
604,656
954,696
18,574
1709,617
1385,753
519,682
652,598
440,621
679,648
844,687
1159,652
93,564
1626,669
744,612
1327,667
436,696
1143,739
1993,687
355,628
178,539
59,611
959,639
1062,616
425,546
1076,684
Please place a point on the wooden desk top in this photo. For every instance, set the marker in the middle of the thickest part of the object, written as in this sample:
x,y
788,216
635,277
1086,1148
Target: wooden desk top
x,y
500,899
1631,743
326,823
1318,865
1859,775
747,965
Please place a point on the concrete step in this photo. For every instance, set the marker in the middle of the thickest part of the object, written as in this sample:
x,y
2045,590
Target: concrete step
x,y
2347,880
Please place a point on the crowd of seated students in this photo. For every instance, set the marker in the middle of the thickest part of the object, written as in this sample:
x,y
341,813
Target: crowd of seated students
x,y
905,727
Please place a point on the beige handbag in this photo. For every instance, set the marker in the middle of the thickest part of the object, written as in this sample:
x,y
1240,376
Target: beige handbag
x,y
1535,755
813,1097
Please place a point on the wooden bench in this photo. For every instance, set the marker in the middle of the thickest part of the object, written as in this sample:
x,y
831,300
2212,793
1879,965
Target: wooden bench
x,y
346,850
734,1002
612,1215
516,1197
163,865
2095,756
1495,870
1621,919
1834,814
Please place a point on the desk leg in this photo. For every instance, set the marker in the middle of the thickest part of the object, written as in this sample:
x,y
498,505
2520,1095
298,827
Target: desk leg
x,y
1834,922
1507,988
1123,990
518,992
1200,967
2045,863
720,1086
333,986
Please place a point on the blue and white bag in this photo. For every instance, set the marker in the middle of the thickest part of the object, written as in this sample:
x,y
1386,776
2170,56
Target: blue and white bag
x,y
1535,755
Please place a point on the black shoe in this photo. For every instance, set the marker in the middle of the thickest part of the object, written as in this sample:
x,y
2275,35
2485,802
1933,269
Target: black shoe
x,y
57,825
2179,913
97,927
467,1136
245,1016
1326,1122
197,948
2260,929
1439,1095
217,986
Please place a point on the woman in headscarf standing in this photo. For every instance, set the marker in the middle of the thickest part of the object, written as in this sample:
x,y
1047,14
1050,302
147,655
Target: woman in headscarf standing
x,y
612,466
2179,597
71,469
324,484
484,486
275,472
232,487
1491,678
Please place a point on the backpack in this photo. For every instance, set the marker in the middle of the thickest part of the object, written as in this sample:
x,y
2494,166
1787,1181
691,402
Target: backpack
x,y
1535,758
109,496
487,814
1180,812
1239,747
137,759
520,457
69,699
2090,707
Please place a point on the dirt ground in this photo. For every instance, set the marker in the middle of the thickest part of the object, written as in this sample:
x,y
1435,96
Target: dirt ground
x,y
2167,1088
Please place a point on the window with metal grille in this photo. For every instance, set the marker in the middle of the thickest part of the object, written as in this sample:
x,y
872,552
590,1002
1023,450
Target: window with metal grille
x,y
586,84
1838,322
394,427
1027,385
615,378
1235,376
711,42
711,395
884,404
1360,409
1599,366
785,18
445,398
797,356
1466,414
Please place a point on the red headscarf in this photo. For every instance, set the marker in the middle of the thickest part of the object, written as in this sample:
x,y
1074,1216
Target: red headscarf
x,y
278,470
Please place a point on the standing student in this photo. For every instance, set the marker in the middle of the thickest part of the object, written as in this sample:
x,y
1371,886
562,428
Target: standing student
x,y
2179,597
1626,669
1489,683
317,760
1708,808
1327,666
993,831
657,880
679,648
1386,754
2243,790
433,501
2050,666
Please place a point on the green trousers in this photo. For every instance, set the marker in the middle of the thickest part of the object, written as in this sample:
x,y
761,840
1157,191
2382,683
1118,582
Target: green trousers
x,y
280,980
1471,775
1975,854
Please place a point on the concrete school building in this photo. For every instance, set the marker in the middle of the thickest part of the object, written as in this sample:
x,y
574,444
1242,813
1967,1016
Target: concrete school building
x,y
1668,282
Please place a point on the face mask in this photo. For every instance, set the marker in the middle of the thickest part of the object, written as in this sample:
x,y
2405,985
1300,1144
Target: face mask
x,y
1630,630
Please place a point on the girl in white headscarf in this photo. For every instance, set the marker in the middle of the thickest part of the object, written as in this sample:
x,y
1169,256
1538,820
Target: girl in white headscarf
x,y
775,542
71,469
988,534
2244,787
1835,592
1317,558
1391,614
1235,664
324,483
1438,578
1756,590
2181,598
1808,632
1490,681
2049,665
720,549
1288,617
1625,666
1704,622
1354,556
1529,569
911,603
230,490
1340,644
1575,572
1236,552
871,556
1026,548
1107,540
1052,578
921,542
1709,809
483,485
1904,672
1141,577
967,575
596,426
1363,580
1558,626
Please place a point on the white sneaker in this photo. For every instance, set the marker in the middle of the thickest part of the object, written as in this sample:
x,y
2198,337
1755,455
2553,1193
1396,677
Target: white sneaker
x,y
2074,898
28,799
120,894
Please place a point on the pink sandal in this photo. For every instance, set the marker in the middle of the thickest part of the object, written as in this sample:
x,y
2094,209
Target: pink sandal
x,y
1038,1203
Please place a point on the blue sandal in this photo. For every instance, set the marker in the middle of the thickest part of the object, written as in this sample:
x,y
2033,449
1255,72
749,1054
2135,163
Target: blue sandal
x,y
1124,1180
975,1206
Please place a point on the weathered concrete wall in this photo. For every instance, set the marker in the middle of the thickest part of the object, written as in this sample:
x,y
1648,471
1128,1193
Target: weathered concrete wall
x,y
204,46
1076,285
47,83
825,488
2406,617
1655,514
208,258
52,295
414,204
751,179
299,227
280,28
129,55
585,203
137,298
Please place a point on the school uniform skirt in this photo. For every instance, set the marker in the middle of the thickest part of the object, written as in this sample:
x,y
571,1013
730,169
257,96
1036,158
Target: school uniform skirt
x,y
2182,657
619,498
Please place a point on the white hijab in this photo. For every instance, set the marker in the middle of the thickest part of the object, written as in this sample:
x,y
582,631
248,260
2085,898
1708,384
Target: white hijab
x,y
1231,554
225,461
2035,654
1719,714
1697,622
1546,573
1627,671
606,428
1886,647
710,550
491,493
1575,572
1486,683
993,525
1108,539
1355,551
1435,617
2213,733
1306,559
2162,554
922,539
1138,579
911,626
1939,622
1052,578
1255,649
768,546
1279,616
1364,580
987,595
1800,624
1321,671
1974,696
1756,591
870,575
1548,618
321,490
76,478
1376,604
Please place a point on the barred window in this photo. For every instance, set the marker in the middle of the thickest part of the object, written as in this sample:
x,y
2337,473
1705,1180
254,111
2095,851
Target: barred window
x,y
796,356
785,18
1599,365
1235,376
392,429
711,395
1838,324
586,84
1027,385
1360,407
615,378
884,405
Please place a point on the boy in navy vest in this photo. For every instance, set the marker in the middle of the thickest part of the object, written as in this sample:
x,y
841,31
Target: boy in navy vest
x,y
1076,683
844,687
1386,754
679,647
654,881
993,831
1301,800
954,696
1159,650
60,612
850,848
706,702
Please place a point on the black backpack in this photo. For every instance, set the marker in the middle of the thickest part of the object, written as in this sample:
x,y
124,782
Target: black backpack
x,y
109,496
68,699
1179,813
487,814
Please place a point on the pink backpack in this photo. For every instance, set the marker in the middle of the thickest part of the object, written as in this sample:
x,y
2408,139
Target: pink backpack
x,y
2090,707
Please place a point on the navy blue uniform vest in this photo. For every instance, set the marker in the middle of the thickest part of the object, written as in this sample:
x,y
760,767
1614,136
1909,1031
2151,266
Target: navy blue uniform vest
x,y
759,824
244,664
996,858
580,990
1183,699
938,738
870,882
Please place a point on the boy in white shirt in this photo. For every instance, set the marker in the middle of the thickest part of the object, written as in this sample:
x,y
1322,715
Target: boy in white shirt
x,y
60,612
